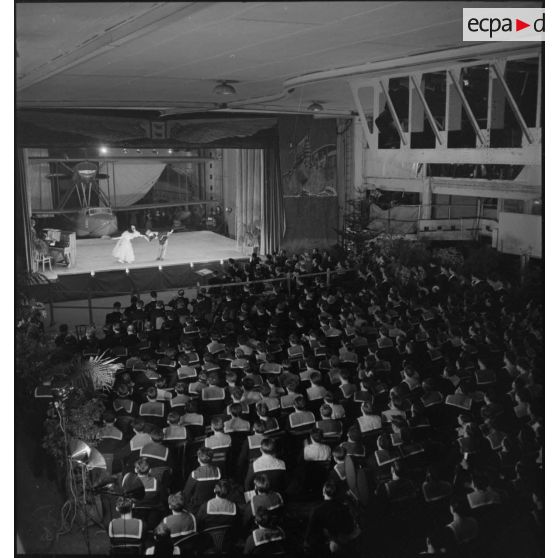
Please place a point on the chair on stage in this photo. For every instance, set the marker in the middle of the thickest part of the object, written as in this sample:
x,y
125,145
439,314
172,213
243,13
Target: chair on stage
x,y
41,259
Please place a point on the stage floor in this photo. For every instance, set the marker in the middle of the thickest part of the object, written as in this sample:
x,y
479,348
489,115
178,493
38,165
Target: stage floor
x,y
95,254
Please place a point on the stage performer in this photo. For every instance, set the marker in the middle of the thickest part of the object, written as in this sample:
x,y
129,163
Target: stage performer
x,y
163,243
123,250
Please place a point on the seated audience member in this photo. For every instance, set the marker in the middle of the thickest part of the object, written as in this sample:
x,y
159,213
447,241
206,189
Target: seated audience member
x,y
399,489
263,498
346,389
433,488
369,421
140,437
202,480
155,452
330,427
126,530
123,404
110,436
178,402
195,388
236,423
316,391
482,495
263,414
316,450
268,463
162,543
236,397
174,432
250,449
300,418
338,474
213,396
331,528
251,395
163,392
287,400
275,389
220,510
267,539
218,440
463,527
152,410
337,410
181,522
149,508
191,418
354,446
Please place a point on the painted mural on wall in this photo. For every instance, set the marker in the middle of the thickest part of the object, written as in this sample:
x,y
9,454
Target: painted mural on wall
x,y
308,150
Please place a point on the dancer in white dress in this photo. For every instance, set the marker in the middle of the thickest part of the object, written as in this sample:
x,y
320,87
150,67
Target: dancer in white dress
x,y
123,250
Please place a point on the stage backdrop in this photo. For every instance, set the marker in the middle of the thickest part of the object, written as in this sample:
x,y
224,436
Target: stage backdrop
x,y
308,153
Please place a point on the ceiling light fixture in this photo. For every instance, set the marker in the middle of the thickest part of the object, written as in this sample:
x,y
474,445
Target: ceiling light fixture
x,y
315,106
224,89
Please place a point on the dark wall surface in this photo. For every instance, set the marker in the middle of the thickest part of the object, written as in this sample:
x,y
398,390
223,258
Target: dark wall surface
x,y
311,222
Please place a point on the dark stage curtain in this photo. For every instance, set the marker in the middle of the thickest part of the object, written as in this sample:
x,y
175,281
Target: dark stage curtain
x,y
23,246
274,223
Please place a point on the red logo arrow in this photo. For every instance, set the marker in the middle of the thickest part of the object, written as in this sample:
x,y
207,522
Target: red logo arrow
x,y
519,25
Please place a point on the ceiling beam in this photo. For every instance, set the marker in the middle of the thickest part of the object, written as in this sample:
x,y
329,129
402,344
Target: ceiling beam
x,y
528,155
157,17
430,61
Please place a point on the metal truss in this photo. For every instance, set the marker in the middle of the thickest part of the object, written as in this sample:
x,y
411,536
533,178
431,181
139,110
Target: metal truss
x,y
529,153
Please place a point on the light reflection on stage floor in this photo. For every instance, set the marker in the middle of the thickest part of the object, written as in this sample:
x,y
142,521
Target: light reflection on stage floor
x,y
95,254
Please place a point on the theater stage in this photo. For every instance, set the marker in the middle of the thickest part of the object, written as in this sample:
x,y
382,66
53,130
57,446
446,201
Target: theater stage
x,y
193,258
95,254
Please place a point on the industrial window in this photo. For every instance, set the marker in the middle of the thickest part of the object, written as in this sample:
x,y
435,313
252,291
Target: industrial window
x,y
486,172
513,206
521,77
398,91
474,83
489,208
433,86
453,207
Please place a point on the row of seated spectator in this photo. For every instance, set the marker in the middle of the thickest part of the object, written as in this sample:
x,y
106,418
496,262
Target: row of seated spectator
x,y
432,387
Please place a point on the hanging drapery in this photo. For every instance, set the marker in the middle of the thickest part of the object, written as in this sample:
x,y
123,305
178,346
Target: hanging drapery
x,y
230,186
40,187
273,211
249,184
131,181
23,236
